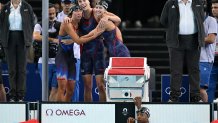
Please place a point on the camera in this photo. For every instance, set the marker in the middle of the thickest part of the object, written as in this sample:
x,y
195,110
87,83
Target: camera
x,y
53,49
37,50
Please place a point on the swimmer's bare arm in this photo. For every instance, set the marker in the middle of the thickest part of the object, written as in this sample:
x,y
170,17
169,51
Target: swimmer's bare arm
x,y
119,34
114,18
75,37
105,19
101,28
138,102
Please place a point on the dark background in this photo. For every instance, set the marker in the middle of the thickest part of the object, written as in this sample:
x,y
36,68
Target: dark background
x,y
130,10
146,11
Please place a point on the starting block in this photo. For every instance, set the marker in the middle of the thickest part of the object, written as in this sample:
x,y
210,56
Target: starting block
x,y
127,78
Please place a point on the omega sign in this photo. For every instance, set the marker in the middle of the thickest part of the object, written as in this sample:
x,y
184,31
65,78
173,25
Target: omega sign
x,y
65,112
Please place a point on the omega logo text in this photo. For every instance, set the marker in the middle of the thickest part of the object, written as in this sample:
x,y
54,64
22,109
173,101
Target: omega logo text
x,y
65,112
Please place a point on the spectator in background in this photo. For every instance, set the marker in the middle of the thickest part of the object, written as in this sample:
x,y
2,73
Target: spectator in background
x,y
57,4
143,113
66,5
2,88
58,7
207,52
184,37
16,23
214,72
93,3
30,51
53,30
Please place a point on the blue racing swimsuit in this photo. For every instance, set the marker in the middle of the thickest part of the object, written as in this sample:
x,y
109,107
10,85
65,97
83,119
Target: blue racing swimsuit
x,y
65,61
115,47
92,56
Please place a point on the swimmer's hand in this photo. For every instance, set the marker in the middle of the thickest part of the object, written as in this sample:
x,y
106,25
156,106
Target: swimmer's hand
x,y
67,20
102,22
131,120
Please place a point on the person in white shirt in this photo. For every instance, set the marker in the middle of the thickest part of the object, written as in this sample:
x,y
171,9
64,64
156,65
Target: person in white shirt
x,y
207,53
16,24
183,20
54,27
214,73
2,88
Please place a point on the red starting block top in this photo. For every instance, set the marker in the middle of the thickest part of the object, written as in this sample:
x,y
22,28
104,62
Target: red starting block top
x,y
138,62
126,71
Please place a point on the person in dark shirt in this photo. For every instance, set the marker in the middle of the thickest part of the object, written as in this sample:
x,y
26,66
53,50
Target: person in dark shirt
x,y
2,89
183,20
16,24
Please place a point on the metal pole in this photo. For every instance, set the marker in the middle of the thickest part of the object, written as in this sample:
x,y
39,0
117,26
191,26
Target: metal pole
x,y
45,50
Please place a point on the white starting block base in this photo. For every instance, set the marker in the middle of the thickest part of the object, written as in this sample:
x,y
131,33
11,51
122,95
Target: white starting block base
x,y
127,94
123,82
